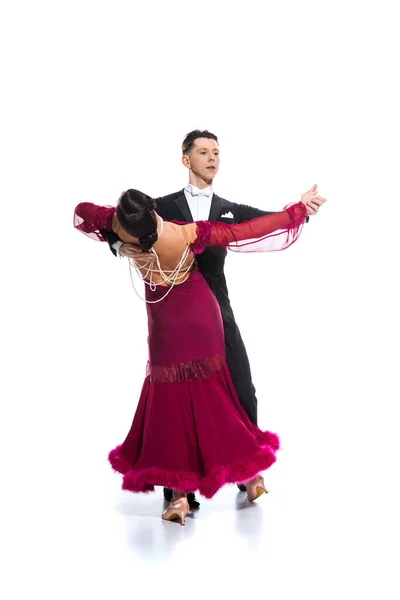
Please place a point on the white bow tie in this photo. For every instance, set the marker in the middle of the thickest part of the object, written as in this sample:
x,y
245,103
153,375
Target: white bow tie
x,y
194,191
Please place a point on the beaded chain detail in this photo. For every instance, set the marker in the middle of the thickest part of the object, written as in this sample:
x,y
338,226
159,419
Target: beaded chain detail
x,y
171,277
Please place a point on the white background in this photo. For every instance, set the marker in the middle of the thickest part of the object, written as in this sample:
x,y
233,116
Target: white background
x,y
97,97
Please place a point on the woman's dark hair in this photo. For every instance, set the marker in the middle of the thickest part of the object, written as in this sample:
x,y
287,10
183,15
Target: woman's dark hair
x,y
135,212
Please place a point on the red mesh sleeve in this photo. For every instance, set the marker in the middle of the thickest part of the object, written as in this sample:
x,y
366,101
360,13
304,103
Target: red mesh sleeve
x,y
268,233
90,219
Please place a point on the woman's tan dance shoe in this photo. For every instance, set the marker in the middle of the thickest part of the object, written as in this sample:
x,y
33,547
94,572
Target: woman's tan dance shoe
x,y
255,488
177,511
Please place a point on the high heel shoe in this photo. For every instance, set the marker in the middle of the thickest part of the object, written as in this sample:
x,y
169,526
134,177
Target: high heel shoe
x,y
177,510
255,488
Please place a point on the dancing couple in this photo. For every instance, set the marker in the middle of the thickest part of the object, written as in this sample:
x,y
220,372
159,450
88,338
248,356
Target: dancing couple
x,y
195,426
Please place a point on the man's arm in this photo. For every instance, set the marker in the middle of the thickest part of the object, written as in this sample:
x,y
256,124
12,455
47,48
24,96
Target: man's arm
x,y
112,239
314,201
243,212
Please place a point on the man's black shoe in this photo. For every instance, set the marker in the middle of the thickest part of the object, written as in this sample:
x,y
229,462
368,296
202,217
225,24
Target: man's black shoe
x,y
191,498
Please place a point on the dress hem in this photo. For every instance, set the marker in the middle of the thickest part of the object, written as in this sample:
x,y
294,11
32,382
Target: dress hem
x,y
240,471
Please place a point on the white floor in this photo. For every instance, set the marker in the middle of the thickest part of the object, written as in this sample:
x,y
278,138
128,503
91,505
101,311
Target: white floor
x,y
327,529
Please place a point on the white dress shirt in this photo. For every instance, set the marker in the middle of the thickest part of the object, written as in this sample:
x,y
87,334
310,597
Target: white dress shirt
x,y
199,202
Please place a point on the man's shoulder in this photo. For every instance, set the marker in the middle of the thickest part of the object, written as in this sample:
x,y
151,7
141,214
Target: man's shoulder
x,y
169,197
226,203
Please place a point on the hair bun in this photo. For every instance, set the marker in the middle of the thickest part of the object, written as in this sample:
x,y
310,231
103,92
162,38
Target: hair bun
x,y
146,243
136,214
150,203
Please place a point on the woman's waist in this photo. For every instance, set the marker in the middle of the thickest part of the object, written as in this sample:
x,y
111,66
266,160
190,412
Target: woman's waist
x,y
167,278
190,279
189,310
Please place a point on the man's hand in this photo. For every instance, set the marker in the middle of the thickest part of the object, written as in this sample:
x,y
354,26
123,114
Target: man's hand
x,y
132,251
312,201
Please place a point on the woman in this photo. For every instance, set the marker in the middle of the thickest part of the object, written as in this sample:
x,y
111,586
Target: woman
x,y
189,431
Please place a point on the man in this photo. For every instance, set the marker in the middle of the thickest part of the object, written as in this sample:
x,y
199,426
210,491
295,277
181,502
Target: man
x,y
198,202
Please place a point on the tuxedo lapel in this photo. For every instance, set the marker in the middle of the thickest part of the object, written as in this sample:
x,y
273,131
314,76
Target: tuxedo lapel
x,y
216,208
181,202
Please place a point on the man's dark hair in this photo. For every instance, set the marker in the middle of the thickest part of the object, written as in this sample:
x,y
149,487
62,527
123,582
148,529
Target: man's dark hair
x,y
191,137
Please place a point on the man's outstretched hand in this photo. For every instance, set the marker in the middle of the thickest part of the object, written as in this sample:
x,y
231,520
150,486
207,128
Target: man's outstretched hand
x,y
312,200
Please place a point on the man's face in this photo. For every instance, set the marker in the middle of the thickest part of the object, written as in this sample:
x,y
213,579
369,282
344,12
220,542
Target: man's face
x,y
203,159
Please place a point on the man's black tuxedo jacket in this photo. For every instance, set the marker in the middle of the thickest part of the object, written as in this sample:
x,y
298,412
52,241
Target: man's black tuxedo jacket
x,y
211,264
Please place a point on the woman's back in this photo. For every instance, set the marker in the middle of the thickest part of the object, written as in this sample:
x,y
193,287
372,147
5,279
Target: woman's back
x,y
170,248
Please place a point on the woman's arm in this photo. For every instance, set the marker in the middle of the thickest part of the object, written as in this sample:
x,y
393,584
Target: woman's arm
x,y
267,233
91,219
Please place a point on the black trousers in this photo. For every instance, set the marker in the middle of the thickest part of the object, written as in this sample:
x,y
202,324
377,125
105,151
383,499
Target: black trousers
x,y
239,368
